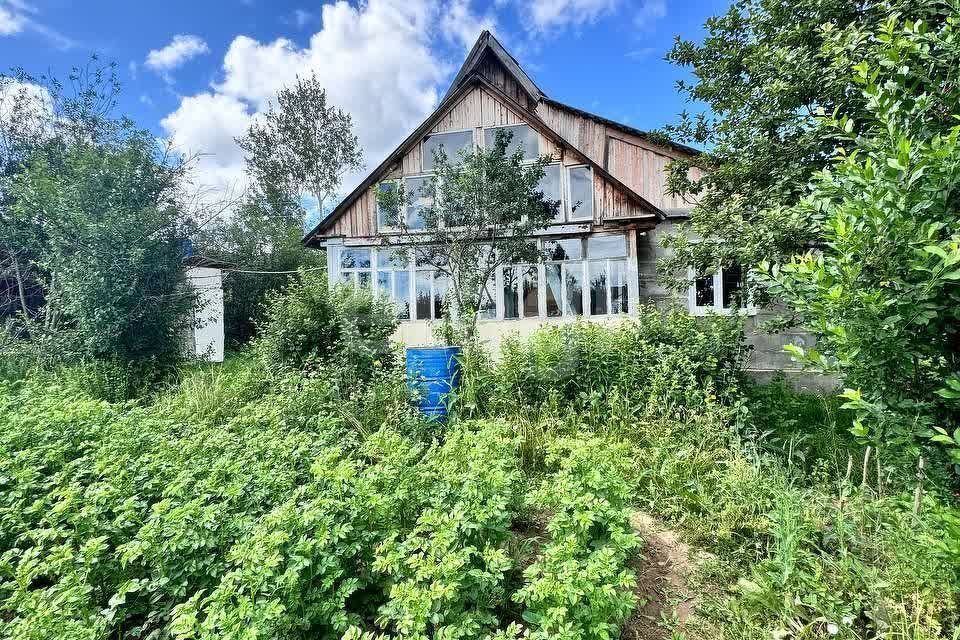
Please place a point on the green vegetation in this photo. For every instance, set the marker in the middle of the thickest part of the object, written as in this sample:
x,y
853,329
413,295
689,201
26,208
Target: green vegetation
x,y
245,501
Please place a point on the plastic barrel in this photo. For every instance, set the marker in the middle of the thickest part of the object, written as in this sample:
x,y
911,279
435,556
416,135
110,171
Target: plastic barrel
x,y
434,372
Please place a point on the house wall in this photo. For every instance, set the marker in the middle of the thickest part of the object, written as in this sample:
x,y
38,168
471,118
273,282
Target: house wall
x,y
478,109
636,162
767,354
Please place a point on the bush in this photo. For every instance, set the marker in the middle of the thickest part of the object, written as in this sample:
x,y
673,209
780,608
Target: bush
x,y
662,360
309,326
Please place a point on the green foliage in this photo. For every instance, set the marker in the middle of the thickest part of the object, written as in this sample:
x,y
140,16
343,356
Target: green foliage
x,y
658,361
579,587
883,293
767,70
258,236
482,194
309,326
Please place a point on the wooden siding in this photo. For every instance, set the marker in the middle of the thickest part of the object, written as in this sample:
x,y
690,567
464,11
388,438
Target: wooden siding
x,y
610,202
637,163
359,220
491,69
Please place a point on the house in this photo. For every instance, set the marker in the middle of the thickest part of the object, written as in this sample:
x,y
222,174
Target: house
x,y
603,251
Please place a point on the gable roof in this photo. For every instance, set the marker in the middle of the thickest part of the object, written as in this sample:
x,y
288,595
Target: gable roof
x,y
487,43
468,77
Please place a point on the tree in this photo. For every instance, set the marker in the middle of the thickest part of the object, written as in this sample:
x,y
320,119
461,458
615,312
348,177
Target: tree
x,y
258,237
768,70
104,228
305,146
883,291
474,215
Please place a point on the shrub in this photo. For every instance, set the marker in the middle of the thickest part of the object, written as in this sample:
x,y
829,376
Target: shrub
x,y
662,360
309,326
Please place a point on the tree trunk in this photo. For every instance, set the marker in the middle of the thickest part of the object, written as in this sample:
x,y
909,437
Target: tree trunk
x,y
21,291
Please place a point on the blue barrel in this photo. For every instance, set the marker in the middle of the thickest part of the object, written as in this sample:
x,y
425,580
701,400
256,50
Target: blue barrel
x,y
433,372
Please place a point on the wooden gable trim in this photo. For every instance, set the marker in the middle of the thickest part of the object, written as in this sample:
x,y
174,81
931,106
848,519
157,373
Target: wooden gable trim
x,y
486,42
451,100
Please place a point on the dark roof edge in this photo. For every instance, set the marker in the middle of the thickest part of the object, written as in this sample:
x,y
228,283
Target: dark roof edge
x,y
626,128
488,41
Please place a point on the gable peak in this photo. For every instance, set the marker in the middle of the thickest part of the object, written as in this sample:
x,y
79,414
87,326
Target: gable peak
x,y
486,46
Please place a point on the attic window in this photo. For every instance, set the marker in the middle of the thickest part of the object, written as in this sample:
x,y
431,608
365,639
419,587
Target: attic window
x,y
452,143
524,138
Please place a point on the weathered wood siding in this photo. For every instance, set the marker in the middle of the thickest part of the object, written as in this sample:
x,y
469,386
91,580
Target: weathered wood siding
x,y
359,220
491,69
638,163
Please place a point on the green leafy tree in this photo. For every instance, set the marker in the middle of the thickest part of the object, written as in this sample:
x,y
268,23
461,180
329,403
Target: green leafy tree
x,y
263,242
883,291
475,214
104,227
304,146
768,70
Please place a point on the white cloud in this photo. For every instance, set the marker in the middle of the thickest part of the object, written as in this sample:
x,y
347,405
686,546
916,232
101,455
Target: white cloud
x,y
180,49
461,26
374,60
650,11
555,14
11,22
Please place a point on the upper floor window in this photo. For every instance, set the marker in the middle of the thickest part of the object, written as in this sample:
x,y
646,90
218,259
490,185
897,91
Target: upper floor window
x,y
524,138
580,193
452,143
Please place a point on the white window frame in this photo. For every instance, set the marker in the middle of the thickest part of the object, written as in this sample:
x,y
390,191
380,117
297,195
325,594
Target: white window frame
x,y
386,229
568,195
423,154
717,307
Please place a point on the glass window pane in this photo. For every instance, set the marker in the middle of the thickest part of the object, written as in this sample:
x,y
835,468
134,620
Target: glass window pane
x,y
567,249
549,186
363,279
401,293
441,285
419,195
452,143
355,258
510,289
581,193
598,288
553,289
531,294
703,293
385,219
390,259
383,284
423,295
524,138
732,286
606,246
573,278
618,287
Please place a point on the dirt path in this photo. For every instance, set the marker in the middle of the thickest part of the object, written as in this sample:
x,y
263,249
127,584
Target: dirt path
x,y
662,576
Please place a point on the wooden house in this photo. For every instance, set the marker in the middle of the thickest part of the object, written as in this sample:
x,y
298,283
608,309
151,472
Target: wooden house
x,y
603,252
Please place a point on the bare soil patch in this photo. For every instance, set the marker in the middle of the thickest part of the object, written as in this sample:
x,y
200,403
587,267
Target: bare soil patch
x,y
663,570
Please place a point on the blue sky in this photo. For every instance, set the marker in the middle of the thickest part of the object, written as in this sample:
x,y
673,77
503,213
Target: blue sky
x,y
197,72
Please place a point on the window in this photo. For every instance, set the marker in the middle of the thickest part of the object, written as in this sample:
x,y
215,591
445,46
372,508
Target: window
x,y
393,281
608,274
452,144
550,187
564,277
385,218
521,293
524,138
355,267
419,195
580,189
719,292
